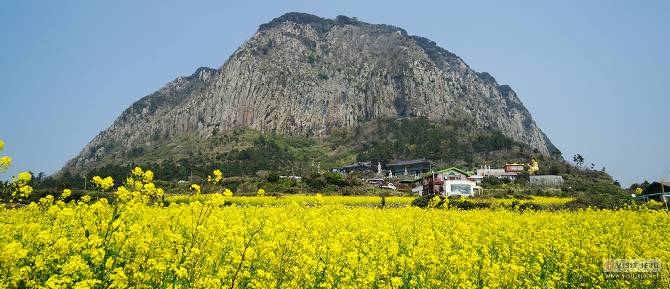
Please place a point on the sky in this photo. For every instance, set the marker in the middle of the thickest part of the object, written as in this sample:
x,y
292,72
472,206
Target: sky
x,y
593,74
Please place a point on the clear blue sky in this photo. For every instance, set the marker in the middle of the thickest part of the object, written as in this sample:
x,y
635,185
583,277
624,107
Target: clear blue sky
x,y
592,73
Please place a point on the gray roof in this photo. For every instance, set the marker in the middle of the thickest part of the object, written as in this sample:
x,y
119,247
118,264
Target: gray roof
x,y
408,162
358,165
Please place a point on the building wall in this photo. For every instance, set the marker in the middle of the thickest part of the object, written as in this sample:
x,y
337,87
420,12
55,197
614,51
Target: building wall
x,y
490,172
498,173
453,175
514,168
546,181
459,187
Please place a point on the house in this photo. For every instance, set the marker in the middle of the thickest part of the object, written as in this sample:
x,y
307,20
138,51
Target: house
x,y
389,186
450,182
418,189
454,173
487,171
376,181
656,191
476,178
515,168
409,167
293,178
410,184
546,181
362,167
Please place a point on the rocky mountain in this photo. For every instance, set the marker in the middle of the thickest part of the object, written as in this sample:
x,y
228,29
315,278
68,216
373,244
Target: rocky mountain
x,y
305,76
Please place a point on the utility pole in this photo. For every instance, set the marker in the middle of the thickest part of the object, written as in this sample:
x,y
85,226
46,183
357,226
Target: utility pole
x,y
84,182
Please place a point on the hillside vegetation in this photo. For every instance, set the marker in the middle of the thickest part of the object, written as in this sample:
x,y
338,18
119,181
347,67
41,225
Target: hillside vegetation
x,y
245,152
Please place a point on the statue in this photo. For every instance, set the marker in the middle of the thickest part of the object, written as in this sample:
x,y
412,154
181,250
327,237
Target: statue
x,y
533,167
390,174
379,168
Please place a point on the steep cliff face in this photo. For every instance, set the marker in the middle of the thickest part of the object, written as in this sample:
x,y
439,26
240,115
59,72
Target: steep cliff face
x,y
305,75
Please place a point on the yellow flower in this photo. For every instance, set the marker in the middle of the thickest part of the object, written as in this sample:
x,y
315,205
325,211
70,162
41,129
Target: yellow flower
x,y
103,184
227,193
218,176
434,202
137,171
181,272
5,161
316,241
148,176
260,192
66,193
2,144
195,188
25,177
119,279
25,191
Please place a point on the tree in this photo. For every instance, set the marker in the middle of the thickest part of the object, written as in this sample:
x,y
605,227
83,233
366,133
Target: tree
x,y
578,159
273,177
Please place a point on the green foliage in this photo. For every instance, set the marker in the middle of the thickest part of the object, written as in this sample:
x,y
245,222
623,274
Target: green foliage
x,y
423,201
522,178
452,142
467,204
490,181
453,203
599,200
273,177
589,181
492,141
320,24
244,153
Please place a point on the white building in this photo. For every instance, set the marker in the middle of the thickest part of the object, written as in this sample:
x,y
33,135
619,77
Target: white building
x,y
466,188
450,182
487,171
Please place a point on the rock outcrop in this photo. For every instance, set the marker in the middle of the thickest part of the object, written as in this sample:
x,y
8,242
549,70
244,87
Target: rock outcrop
x,y
304,75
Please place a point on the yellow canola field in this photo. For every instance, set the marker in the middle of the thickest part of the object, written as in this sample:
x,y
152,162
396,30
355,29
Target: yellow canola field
x,y
352,200
299,199
207,245
538,200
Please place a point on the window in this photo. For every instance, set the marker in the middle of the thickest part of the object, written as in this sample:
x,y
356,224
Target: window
x,y
461,189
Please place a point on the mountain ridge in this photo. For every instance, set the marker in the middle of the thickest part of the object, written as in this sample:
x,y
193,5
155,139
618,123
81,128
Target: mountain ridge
x,y
301,74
